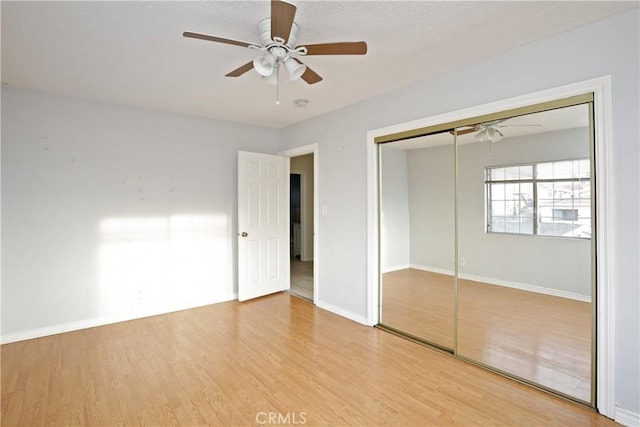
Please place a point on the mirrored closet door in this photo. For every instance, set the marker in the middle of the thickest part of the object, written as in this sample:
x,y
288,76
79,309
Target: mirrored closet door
x,y
487,247
417,238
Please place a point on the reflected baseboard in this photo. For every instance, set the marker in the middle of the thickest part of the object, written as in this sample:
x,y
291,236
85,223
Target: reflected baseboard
x,y
396,268
527,287
433,269
506,283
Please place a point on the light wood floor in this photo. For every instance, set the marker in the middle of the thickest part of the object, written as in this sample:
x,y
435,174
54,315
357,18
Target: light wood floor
x,y
228,364
541,338
302,278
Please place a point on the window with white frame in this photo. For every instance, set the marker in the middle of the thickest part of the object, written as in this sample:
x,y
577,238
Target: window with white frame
x,y
547,199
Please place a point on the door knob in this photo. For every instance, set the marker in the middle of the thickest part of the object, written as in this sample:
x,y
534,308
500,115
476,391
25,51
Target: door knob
x,y
243,234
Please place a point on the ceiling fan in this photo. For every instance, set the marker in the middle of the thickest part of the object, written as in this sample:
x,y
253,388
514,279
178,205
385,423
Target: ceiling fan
x,y
278,47
487,131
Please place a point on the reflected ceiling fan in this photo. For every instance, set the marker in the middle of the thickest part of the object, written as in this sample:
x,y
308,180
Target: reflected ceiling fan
x,y
278,47
487,131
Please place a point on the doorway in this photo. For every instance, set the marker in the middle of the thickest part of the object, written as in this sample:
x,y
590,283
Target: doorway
x,y
303,219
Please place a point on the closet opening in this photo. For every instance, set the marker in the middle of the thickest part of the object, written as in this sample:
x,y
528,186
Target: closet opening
x,y
487,241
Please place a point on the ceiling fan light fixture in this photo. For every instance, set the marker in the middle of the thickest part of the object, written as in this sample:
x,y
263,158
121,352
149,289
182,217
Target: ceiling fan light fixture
x,y
494,134
264,64
295,69
272,79
489,134
482,136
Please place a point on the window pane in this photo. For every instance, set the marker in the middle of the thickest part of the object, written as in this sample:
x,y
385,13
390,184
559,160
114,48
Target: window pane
x,y
582,168
562,190
512,173
544,170
497,224
497,192
562,170
566,213
526,225
562,204
526,172
512,191
526,194
496,174
545,190
497,208
512,225
546,227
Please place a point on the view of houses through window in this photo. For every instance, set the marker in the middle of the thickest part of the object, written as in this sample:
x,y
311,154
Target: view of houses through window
x,y
547,199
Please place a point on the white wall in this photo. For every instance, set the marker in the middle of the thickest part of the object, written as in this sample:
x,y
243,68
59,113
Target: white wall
x,y
608,47
432,208
394,212
111,212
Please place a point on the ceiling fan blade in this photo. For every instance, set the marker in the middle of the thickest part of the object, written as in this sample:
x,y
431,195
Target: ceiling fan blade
x,y
309,75
510,126
282,15
215,39
240,70
342,48
464,131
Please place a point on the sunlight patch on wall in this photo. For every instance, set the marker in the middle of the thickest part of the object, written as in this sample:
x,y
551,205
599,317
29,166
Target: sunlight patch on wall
x,y
155,264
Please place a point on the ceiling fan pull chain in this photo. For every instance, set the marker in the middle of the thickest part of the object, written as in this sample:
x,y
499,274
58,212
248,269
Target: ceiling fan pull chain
x,y
277,83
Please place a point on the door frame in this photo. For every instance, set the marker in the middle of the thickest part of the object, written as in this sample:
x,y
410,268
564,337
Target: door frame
x,y
301,151
605,283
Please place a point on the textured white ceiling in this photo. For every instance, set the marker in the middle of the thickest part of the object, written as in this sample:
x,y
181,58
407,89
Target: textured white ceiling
x,y
133,53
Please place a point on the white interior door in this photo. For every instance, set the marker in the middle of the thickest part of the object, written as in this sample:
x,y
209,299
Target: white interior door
x,y
263,224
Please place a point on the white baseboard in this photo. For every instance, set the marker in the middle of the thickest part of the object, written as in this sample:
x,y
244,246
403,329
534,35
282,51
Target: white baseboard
x,y
395,268
527,287
627,418
98,321
507,283
433,269
344,313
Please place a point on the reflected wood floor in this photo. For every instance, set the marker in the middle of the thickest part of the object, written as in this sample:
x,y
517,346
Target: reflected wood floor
x,y
541,338
420,303
228,363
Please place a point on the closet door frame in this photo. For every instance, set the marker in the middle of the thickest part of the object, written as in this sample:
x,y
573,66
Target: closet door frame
x,y
605,291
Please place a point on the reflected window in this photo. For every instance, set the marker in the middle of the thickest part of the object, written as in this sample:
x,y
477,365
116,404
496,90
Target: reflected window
x,y
547,199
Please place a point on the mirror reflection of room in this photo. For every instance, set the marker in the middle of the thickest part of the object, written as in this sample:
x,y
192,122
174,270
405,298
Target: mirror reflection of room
x,y
417,238
486,248
524,248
